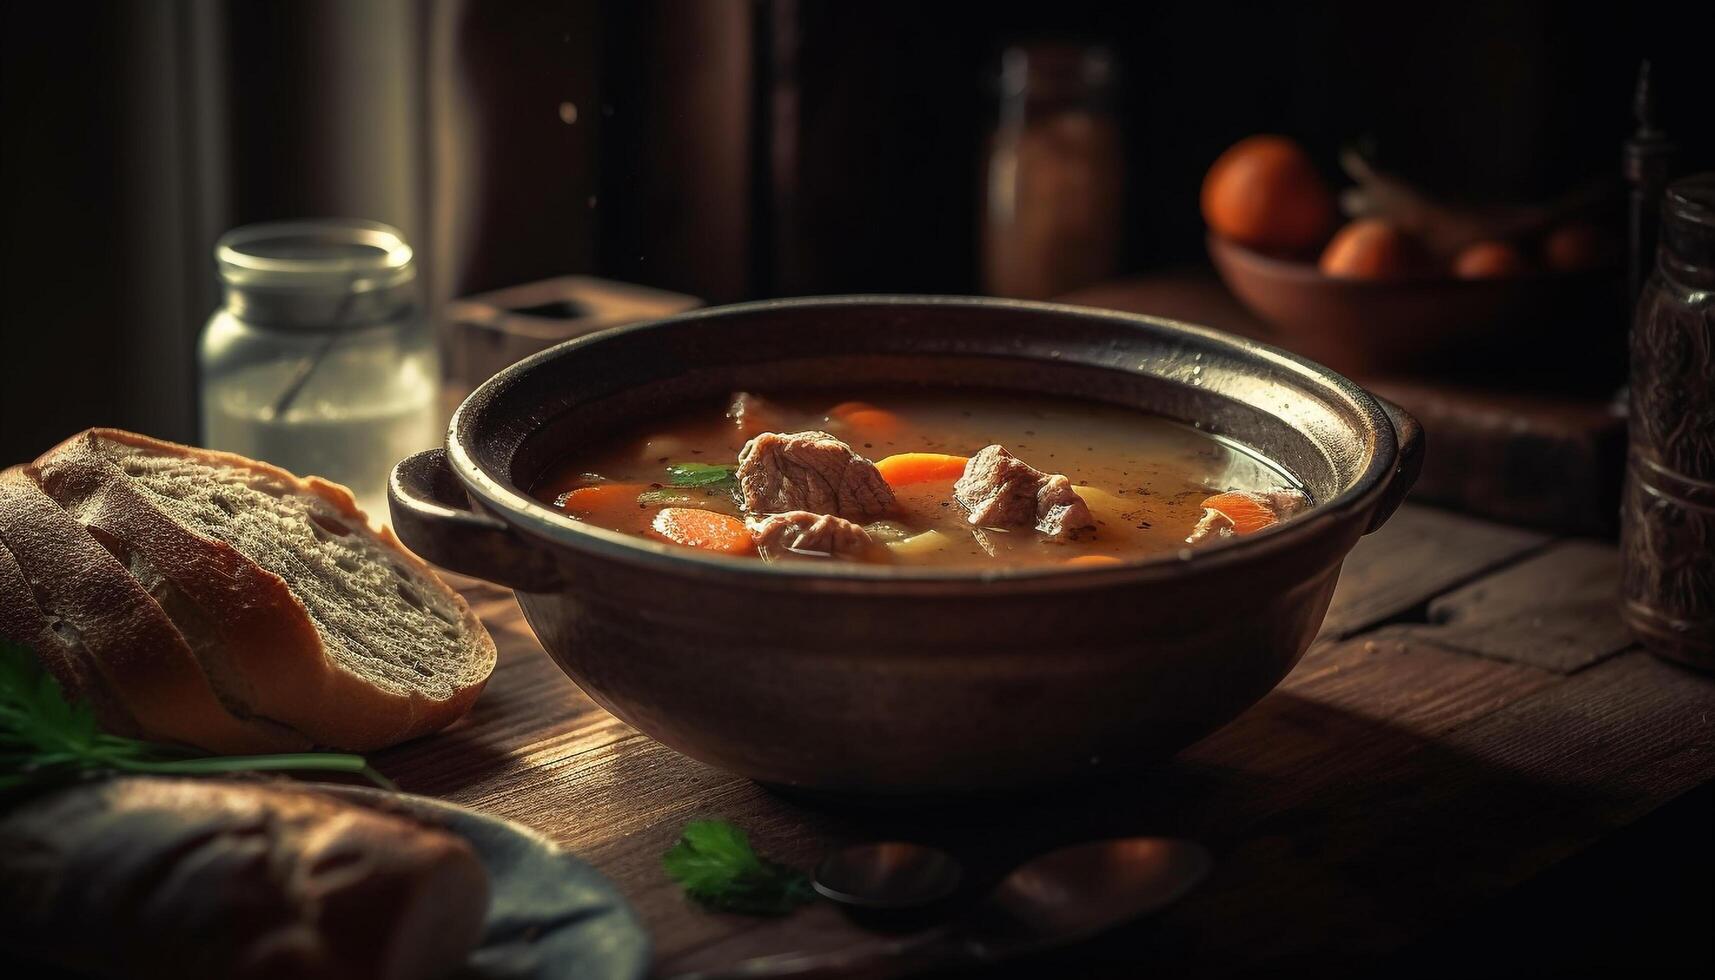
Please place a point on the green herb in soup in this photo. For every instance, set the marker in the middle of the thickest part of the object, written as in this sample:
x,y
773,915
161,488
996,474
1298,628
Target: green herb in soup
x,y
699,474
913,477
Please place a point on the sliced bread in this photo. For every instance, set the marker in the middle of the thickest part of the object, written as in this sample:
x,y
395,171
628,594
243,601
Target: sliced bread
x,y
298,610
103,637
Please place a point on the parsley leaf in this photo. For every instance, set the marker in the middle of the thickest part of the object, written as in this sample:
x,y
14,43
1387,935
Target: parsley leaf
x,y
699,474
716,865
46,737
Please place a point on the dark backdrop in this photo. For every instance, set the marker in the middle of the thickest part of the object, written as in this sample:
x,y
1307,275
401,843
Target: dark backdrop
x,y
1492,100
675,173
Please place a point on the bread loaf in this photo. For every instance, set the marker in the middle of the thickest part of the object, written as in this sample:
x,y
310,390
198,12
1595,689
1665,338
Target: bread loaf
x,y
106,640
143,877
302,619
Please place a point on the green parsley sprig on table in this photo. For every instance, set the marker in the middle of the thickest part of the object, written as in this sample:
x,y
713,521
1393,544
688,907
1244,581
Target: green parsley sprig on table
x,y
47,738
714,862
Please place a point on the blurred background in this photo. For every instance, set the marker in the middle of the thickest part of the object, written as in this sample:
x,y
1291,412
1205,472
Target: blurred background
x,y
730,149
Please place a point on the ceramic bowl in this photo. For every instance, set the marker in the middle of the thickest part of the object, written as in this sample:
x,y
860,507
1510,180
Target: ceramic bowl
x,y
885,680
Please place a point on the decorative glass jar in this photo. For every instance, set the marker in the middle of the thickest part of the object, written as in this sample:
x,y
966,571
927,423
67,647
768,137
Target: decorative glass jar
x,y
1051,212
320,359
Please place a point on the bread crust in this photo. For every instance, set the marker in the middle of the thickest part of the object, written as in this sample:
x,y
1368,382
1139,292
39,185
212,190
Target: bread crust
x,y
22,621
270,656
148,877
142,661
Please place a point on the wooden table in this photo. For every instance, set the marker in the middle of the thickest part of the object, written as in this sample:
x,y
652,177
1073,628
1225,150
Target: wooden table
x,y
1473,715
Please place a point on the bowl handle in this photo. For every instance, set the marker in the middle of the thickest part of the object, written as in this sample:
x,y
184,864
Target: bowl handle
x,y
1408,435
433,516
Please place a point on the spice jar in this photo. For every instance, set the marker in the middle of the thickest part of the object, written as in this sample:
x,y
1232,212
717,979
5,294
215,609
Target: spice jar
x,y
1051,213
1668,514
320,360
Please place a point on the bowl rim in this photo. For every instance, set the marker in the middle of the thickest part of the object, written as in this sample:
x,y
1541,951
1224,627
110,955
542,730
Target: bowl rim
x,y
497,494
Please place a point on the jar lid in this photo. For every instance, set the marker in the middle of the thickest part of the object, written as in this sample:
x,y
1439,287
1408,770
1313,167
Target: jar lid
x,y
326,273
1687,251
1056,71
1692,199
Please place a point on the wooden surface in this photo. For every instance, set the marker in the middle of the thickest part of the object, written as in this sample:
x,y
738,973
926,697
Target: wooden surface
x,y
1470,718
1541,446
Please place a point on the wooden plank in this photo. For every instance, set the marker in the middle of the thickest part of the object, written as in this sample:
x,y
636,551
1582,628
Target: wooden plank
x,y
1399,678
1346,709
1556,610
1415,556
1425,835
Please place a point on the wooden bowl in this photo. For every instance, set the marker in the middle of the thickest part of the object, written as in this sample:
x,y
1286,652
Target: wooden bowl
x,y
869,679
1419,324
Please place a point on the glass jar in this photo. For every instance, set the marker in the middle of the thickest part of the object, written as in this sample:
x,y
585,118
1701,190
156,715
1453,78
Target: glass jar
x,y
1051,213
320,361
1667,519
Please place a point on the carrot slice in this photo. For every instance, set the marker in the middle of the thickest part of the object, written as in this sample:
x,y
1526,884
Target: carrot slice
x,y
844,409
876,422
704,529
902,469
1093,560
601,497
1249,512
866,418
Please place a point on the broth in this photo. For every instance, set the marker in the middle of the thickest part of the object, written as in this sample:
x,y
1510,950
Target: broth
x,y
1144,478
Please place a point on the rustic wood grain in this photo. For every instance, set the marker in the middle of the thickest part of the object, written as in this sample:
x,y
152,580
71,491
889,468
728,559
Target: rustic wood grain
x,y
1424,834
1554,610
1392,780
1418,554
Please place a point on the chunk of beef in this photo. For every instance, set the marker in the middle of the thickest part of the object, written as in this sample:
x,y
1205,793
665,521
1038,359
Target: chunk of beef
x,y
810,471
1000,490
1217,524
801,534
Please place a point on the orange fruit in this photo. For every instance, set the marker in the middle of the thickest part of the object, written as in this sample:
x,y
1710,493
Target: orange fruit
x,y
1264,192
1573,247
1369,249
1488,260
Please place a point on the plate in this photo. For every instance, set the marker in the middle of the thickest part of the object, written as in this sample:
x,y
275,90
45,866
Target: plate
x,y
550,915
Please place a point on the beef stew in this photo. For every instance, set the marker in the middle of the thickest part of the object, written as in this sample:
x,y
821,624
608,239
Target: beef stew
x,y
915,477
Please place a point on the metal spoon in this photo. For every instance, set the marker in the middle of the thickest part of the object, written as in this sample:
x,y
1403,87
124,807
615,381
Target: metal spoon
x,y
1053,900
889,876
